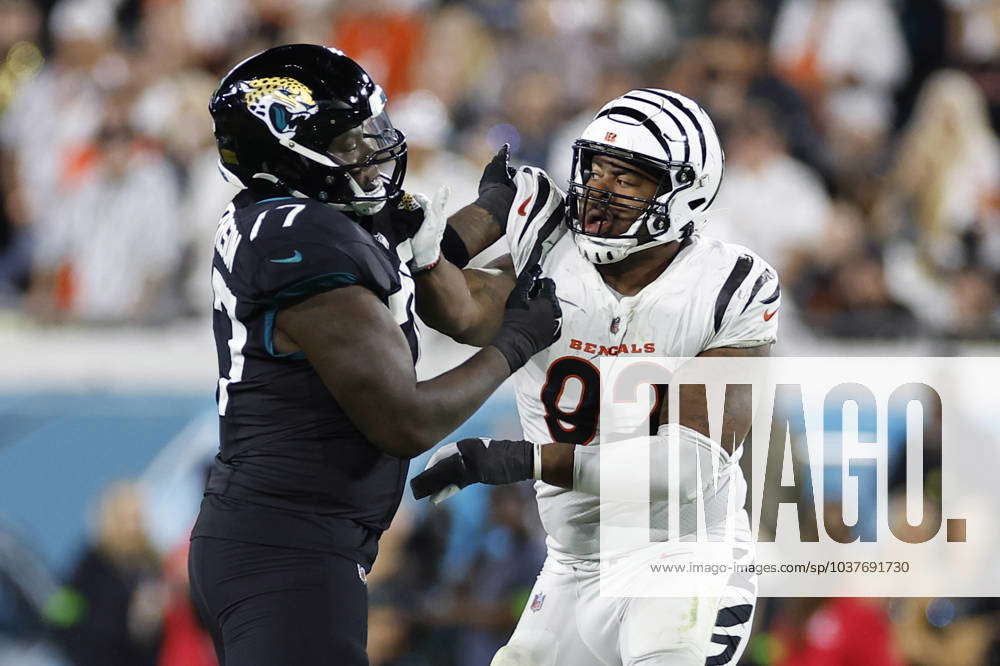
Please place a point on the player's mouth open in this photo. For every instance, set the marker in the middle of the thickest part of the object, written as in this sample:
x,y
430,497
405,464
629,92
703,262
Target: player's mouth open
x,y
596,220
366,178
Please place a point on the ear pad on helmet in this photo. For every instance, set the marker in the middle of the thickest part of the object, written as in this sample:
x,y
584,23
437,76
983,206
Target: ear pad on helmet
x,y
685,175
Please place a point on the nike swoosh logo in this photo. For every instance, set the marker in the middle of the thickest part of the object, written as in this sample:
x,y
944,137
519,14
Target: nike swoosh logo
x,y
523,210
768,315
294,259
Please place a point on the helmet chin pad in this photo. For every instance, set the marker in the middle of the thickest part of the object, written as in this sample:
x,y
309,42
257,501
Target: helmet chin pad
x,y
600,250
367,202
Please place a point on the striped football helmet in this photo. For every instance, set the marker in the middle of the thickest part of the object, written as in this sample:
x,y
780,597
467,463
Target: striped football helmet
x,y
665,134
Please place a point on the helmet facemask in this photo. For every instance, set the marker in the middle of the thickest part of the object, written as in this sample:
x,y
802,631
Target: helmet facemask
x,y
652,224
357,170
660,132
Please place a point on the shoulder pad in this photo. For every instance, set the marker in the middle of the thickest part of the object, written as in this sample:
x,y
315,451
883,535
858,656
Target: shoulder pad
x,y
747,301
304,247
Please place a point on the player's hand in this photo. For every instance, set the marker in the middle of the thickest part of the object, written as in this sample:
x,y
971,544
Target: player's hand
x,y
532,320
426,242
497,188
476,460
498,172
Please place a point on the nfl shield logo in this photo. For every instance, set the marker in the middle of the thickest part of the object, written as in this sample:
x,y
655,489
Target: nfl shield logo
x,y
610,137
614,324
536,603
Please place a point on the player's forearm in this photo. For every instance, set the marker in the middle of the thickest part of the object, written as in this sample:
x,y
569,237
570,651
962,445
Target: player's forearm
x,y
466,305
476,227
411,417
440,405
444,300
557,464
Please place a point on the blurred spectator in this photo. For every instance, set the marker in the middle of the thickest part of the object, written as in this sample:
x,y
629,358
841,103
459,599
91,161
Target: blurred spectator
x,y
106,251
429,165
164,111
976,33
729,66
554,54
61,108
867,310
489,602
613,82
847,57
185,641
391,630
42,121
839,282
834,632
952,632
115,593
533,105
769,201
20,61
941,205
641,30
400,587
27,593
464,85
383,36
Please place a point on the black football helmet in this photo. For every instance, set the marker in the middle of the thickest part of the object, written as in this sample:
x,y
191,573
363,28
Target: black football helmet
x,y
310,120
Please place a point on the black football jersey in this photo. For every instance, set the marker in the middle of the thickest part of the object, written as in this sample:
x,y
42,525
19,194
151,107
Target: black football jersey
x,y
292,469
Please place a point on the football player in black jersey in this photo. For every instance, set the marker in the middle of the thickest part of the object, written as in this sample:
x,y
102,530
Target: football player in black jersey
x,y
319,405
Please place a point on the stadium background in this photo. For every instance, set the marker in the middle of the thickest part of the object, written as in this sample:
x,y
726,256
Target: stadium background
x,y
862,161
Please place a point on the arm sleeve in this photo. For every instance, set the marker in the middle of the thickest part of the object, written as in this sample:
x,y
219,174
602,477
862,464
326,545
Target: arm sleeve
x,y
535,221
746,314
453,248
699,465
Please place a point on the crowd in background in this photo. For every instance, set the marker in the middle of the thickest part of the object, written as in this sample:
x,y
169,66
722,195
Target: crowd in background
x,y
862,156
862,161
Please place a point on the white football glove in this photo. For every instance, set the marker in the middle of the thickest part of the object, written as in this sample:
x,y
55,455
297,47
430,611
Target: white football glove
x,y
426,243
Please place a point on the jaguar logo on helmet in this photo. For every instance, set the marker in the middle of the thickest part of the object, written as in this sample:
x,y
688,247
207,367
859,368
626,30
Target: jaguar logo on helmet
x,y
278,117
278,101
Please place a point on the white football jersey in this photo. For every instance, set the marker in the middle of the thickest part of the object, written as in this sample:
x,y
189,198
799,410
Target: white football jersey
x,y
713,294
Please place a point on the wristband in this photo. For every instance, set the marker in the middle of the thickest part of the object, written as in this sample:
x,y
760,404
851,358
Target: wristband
x,y
516,348
453,248
414,271
496,201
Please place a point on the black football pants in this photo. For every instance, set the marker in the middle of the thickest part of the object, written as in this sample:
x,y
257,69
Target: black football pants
x,y
270,606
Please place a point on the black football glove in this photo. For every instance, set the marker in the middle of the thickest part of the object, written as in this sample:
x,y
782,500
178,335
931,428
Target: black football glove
x,y
459,464
497,188
532,320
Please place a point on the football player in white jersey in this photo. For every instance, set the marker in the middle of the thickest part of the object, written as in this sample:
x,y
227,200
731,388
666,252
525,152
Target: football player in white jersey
x,y
635,277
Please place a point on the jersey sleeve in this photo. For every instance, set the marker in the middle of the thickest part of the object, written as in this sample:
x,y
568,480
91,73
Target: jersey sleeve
x,y
321,250
535,220
746,307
